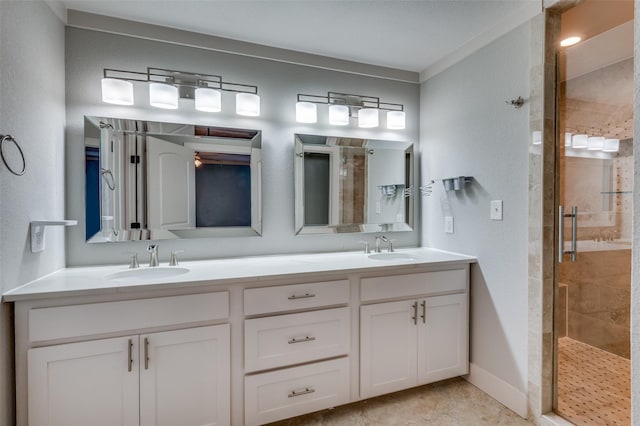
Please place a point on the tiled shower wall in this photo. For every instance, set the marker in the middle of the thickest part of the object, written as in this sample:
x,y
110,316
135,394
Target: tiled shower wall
x,y
598,295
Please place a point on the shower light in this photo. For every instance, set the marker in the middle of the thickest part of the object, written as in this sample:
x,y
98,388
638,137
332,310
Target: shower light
x,y
306,112
338,115
579,141
368,118
611,145
395,120
163,95
570,41
595,143
208,100
248,104
119,92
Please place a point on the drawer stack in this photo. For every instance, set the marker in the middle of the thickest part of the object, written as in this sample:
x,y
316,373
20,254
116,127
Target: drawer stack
x,y
298,362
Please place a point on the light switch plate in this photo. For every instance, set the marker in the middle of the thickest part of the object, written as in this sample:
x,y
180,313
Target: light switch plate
x,y
448,224
496,209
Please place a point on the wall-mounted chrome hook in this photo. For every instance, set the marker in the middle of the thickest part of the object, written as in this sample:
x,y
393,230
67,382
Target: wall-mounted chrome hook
x,y
516,103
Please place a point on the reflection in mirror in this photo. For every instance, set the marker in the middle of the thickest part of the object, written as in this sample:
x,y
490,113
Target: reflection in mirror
x,y
149,180
345,185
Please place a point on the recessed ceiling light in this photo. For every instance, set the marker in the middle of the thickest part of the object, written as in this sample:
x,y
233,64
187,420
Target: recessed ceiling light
x,y
570,41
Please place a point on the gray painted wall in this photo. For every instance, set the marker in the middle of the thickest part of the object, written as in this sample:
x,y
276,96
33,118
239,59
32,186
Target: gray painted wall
x,y
88,52
32,110
467,129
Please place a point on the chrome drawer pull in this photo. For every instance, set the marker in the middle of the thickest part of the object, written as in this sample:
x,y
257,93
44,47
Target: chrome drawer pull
x,y
305,339
302,392
303,296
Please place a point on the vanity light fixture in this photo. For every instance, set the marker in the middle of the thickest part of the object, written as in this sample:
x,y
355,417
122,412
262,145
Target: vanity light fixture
x,y
611,145
343,106
579,141
166,87
595,143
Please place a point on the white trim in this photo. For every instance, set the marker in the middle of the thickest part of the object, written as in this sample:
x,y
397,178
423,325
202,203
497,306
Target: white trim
x,y
501,28
146,31
552,419
497,388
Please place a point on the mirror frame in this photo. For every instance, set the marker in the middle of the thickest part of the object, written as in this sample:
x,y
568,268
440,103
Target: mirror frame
x,y
315,144
226,141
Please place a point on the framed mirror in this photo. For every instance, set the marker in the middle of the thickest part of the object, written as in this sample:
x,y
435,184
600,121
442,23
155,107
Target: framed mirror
x,y
345,185
150,180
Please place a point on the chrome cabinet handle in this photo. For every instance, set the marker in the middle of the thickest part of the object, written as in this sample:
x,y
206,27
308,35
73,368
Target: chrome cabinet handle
x,y
302,296
146,353
574,233
130,355
415,313
294,393
424,311
304,339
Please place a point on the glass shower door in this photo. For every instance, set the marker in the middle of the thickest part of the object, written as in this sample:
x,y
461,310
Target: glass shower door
x,y
594,261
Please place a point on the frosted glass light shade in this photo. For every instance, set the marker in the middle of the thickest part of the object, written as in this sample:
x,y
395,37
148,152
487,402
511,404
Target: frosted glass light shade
x,y
595,143
395,119
306,112
119,92
536,137
611,145
567,139
248,104
579,141
368,118
163,96
338,115
208,100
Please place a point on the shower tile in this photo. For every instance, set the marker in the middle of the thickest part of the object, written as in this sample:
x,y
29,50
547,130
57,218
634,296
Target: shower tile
x,y
594,386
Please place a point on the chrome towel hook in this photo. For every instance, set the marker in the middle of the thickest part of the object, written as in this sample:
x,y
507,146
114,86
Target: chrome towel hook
x,y
9,138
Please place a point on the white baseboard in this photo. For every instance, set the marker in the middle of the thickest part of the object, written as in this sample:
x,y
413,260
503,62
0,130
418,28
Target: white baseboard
x,y
503,392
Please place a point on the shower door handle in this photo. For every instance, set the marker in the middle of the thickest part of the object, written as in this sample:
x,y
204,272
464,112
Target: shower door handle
x,y
574,233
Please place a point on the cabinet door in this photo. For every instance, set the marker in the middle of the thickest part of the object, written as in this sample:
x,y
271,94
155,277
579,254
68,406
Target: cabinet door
x,y
87,383
388,348
443,339
185,377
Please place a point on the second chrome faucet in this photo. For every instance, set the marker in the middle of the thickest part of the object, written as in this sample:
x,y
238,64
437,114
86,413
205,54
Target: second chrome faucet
x,y
153,254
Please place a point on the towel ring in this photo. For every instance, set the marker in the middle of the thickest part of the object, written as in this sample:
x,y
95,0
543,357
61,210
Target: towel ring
x,y
3,139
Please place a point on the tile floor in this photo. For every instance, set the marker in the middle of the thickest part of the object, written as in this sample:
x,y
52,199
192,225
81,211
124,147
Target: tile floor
x,y
594,386
453,402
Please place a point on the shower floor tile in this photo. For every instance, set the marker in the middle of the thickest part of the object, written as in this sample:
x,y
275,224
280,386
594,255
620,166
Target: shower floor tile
x,y
594,386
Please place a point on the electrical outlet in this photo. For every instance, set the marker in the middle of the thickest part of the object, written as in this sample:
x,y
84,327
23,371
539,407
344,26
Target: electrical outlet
x,y
377,207
448,224
496,209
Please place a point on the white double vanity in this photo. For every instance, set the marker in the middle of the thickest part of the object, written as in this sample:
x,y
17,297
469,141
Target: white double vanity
x,y
236,341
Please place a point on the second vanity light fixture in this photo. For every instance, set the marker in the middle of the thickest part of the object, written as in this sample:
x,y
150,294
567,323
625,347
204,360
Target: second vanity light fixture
x,y
343,106
167,86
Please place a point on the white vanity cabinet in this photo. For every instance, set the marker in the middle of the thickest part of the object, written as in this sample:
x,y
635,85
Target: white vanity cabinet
x,y
171,377
413,341
319,337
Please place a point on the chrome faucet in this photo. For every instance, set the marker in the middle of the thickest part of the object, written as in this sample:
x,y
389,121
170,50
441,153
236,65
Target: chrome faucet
x,y
378,239
153,251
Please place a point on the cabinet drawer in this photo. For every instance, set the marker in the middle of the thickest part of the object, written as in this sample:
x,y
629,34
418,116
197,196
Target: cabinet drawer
x,y
109,317
298,296
411,285
294,391
295,338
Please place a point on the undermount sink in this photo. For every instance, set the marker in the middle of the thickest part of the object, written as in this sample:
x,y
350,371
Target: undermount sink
x,y
146,274
391,256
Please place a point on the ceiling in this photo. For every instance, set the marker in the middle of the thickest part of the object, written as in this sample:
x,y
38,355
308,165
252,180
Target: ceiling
x,y
403,34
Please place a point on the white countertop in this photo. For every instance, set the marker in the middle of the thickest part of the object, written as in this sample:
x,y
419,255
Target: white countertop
x,y
92,280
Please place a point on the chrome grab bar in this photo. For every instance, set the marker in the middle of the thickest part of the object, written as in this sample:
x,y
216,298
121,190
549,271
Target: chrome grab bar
x,y
574,233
